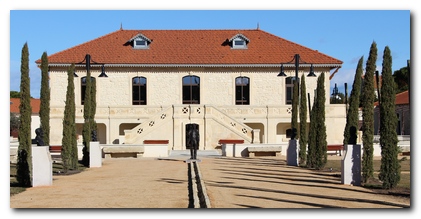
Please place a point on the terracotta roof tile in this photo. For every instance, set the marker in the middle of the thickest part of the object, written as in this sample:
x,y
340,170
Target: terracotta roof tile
x,y
401,99
190,47
15,103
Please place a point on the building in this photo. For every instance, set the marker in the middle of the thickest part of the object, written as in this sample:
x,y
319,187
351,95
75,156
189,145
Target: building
x,y
159,83
35,120
403,112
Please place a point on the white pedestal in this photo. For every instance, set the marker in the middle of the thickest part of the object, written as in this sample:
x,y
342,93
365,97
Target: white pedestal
x,y
351,165
292,153
95,154
235,150
42,166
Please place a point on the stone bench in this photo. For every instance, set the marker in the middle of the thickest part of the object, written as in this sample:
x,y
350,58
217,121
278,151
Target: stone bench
x,y
155,141
338,148
123,151
264,150
231,141
55,149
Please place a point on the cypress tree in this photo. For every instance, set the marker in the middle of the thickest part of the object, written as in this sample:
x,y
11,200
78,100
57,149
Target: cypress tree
x,y
44,111
303,122
87,129
294,118
93,124
320,126
368,114
390,167
69,143
351,127
311,153
24,164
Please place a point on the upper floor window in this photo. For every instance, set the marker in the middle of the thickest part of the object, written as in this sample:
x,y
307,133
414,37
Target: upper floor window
x,y
242,91
139,91
140,41
83,88
191,90
239,41
289,85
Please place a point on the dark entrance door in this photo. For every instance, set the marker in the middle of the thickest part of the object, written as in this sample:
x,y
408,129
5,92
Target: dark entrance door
x,y
188,128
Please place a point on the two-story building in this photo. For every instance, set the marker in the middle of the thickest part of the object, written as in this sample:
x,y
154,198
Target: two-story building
x,y
159,82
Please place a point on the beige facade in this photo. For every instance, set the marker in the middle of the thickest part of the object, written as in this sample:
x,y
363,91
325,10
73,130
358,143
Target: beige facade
x,y
164,117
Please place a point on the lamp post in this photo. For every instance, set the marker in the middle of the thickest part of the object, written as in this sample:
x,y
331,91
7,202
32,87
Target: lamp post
x,y
89,128
335,94
88,61
295,103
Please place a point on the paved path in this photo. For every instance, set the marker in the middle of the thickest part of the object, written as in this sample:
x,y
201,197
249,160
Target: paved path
x,y
230,183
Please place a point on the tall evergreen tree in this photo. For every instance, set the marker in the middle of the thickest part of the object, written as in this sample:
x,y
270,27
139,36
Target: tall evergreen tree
x,y
44,111
368,114
24,164
390,167
351,127
87,129
93,124
69,144
295,100
303,122
311,153
320,126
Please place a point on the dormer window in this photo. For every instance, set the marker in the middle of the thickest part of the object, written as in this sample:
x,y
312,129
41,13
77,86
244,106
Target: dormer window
x,y
140,42
239,41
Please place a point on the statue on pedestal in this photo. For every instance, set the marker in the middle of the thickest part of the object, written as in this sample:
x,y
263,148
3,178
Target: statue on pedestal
x,y
193,141
38,138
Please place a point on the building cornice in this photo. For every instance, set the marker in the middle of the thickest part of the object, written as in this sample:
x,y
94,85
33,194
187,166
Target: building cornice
x,y
199,65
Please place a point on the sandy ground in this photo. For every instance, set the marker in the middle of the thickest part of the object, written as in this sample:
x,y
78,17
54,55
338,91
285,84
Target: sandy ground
x,y
230,182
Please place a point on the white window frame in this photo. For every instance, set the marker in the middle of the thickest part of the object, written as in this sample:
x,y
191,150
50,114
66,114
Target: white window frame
x,y
239,39
136,46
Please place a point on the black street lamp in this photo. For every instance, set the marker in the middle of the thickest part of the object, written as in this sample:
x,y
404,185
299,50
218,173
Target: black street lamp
x,y
335,94
88,66
296,61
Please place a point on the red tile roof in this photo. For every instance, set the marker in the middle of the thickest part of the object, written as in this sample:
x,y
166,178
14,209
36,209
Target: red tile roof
x,y
15,103
190,47
401,99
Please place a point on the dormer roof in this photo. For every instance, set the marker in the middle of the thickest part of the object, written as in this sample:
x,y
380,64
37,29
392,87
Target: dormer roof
x,y
241,36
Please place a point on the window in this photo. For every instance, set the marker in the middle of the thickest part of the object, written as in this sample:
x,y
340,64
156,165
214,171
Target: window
x,y
191,90
242,91
139,91
239,41
140,43
83,88
239,44
289,85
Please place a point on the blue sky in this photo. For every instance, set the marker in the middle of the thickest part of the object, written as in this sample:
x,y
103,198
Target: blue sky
x,y
346,35
343,34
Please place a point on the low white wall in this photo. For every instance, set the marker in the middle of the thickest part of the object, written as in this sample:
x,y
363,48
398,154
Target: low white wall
x,y
155,150
150,150
235,150
240,150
